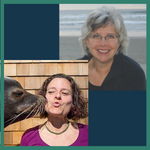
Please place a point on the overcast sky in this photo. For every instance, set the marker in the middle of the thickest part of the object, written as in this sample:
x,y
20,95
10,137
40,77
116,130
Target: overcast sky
x,y
93,6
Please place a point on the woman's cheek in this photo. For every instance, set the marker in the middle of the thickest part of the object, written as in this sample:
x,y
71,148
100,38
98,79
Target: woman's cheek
x,y
46,107
91,45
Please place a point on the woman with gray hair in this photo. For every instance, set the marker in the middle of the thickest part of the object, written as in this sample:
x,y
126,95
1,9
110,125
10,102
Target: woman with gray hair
x,y
104,38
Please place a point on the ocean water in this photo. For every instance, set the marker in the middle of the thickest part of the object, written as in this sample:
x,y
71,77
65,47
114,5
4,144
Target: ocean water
x,y
72,20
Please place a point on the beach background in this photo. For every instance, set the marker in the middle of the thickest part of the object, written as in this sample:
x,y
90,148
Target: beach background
x,y
72,17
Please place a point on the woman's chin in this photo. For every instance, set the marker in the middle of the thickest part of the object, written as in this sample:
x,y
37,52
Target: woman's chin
x,y
103,59
56,113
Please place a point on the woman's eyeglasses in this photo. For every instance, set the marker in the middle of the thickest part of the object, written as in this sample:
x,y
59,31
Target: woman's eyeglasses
x,y
108,37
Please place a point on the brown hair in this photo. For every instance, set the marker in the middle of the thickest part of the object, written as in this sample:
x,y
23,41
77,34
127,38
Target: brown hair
x,y
79,108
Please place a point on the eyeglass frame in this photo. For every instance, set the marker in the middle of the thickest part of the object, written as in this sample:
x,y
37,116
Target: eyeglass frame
x,y
106,38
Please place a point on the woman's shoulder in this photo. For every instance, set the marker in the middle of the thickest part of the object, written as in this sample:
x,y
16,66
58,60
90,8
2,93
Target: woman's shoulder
x,y
31,130
80,125
29,135
131,72
128,63
82,139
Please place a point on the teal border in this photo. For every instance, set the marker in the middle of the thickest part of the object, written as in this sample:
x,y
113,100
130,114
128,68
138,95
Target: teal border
x,y
1,75
147,2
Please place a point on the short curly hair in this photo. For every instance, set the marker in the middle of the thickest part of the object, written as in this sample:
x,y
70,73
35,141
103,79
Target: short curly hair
x,y
79,108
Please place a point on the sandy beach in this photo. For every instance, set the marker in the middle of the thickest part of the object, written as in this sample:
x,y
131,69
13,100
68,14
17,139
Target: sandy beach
x,y
70,49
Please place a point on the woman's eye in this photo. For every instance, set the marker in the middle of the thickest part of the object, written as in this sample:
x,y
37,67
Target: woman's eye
x,y
110,36
96,36
65,93
50,92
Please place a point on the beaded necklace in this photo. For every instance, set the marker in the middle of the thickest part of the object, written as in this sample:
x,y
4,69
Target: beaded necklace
x,y
57,133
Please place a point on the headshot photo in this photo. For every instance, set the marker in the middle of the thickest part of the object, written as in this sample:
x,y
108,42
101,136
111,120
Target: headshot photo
x,y
112,39
45,102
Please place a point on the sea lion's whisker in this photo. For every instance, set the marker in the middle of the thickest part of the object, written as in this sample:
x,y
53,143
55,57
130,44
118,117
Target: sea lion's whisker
x,y
42,108
15,117
31,112
37,111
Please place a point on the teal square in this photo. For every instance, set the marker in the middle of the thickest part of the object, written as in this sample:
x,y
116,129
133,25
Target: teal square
x,y
147,2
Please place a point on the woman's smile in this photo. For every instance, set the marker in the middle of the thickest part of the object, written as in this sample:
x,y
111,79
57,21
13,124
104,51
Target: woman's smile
x,y
103,51
101,45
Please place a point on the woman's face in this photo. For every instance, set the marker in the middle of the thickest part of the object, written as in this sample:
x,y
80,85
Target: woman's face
x,y
103,43
59,97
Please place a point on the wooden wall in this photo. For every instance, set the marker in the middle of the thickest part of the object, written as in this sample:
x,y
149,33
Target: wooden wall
x,y
31,74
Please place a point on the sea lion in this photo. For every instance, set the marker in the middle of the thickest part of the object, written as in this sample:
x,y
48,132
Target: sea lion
x,y
18,103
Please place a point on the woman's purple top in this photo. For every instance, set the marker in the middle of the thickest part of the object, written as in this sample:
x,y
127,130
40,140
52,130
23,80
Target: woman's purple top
x,y
32,138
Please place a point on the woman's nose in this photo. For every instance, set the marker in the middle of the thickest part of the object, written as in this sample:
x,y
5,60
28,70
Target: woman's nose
x,y
103,41
58,95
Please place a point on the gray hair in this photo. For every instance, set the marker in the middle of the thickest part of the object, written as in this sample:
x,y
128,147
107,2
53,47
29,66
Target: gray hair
x,y
100,18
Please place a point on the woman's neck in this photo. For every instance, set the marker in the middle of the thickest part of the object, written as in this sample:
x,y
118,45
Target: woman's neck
x,y
98,71
57,122
101,68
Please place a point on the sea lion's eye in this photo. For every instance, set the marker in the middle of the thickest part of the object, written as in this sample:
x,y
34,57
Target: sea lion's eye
x,y
18,93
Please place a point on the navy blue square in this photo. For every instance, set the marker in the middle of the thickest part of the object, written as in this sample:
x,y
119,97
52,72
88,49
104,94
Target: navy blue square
x,y
117,118
31,31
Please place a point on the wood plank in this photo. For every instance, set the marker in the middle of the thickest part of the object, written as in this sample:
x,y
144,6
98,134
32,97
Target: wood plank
x,y
10,69
13,127
23,69
12,137
52,68
21,80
